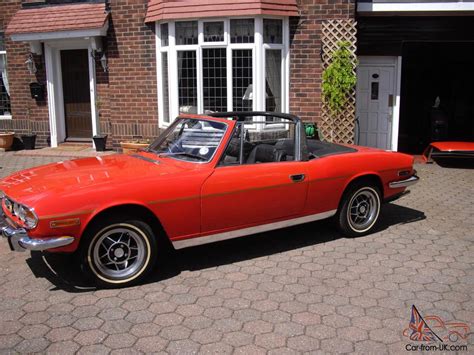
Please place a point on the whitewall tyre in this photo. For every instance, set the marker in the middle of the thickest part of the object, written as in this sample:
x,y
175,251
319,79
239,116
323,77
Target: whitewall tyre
x,y
359,210
119,254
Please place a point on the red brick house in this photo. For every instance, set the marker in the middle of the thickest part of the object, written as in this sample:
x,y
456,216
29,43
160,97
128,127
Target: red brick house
x,y
126,68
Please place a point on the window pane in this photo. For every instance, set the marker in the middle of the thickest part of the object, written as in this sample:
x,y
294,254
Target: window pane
x,y
214,79
4,88
273,80
242,89
242,31
187,32
272,31
164,34
2,41
213,31
164,87
187,81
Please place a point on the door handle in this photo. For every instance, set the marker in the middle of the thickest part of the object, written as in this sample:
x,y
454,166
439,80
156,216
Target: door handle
x,y
297,177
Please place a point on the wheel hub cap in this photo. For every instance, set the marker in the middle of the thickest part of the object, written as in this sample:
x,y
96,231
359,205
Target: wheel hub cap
x,y
119,253
363,209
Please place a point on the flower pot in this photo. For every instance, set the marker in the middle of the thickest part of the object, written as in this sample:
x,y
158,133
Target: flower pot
x,y
100,142
131,147
6,140
29,141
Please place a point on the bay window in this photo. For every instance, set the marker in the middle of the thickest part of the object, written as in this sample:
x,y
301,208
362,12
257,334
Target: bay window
x,y
5,109
217,65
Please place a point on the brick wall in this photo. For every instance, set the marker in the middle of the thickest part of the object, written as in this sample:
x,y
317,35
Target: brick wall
x,y
28,114
305,53
127,93
132,109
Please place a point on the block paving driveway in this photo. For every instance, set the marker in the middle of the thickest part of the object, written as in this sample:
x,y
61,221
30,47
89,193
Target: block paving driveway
x,y
301,289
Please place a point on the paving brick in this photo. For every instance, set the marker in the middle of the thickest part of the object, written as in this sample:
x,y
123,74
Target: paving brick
x,y
342,295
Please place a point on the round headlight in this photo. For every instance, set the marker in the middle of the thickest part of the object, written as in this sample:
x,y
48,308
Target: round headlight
x,y
9,205
21,213
31,220
16,209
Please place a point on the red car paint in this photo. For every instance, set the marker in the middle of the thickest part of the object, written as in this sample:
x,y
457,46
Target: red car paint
x,y
193,200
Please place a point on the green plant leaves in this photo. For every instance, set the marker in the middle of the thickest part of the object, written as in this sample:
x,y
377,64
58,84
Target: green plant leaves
x,y
339,78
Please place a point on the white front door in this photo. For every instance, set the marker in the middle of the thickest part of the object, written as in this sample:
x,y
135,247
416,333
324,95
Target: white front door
x,y
376,98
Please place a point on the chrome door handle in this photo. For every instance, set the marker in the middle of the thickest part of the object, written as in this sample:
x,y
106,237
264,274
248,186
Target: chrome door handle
x,y
298,177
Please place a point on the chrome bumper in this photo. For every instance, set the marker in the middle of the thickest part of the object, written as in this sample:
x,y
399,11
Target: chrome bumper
x,y
19,240
404,183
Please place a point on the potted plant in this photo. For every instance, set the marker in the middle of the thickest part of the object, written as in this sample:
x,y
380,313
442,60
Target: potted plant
x,y
6,140
100,142
132,146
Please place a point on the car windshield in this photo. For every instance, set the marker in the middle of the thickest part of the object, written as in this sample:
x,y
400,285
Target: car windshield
x,y
190,139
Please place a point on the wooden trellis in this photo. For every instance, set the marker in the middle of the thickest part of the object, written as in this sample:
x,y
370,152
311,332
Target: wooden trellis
x,y
338,128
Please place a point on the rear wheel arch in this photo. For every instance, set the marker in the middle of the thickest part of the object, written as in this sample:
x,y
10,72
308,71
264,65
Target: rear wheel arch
x,y
371,178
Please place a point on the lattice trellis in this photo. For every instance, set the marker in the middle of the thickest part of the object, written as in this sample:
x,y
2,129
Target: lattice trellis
x,y
338,128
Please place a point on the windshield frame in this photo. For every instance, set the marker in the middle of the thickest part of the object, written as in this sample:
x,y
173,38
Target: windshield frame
x,y
162,137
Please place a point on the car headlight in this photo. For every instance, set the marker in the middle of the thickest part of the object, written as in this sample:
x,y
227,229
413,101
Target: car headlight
x,y
24,213
16,209
21,213
31,220
8,205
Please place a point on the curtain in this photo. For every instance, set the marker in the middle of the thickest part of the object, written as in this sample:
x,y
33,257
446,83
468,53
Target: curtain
x,y
3,72
273,80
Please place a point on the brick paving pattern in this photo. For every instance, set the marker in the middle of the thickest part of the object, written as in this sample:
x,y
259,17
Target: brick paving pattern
x,y
301,289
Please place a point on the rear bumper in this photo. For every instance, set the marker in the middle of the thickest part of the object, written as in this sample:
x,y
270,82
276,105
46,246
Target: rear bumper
x,y
19,240
412,180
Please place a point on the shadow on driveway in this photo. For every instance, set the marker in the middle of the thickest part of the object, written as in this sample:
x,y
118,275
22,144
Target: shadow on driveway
x,y
64,273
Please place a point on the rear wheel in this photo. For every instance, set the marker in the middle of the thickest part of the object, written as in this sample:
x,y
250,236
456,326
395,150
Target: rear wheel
x,y
119,252
359,209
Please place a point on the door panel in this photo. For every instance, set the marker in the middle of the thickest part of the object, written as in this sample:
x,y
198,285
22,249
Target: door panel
x,y
76,93
243,195
375,86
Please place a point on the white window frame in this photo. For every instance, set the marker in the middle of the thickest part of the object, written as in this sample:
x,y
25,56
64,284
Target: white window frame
x,y
5,117
258,53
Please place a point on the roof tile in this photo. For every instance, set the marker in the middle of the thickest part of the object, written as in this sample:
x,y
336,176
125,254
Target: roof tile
x,y
58,18
183,9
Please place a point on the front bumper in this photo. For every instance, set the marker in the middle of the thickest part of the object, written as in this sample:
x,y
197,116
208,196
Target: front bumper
x,y
412,180
19,240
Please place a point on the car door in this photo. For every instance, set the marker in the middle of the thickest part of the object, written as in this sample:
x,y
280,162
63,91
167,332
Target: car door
x,y
241,196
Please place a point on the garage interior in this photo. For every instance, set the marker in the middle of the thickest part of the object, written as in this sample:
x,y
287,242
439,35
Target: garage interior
x,y
437,83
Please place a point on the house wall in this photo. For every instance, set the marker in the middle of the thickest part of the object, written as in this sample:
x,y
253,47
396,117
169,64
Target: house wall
x,y
28,114
305,52
127,93
129,90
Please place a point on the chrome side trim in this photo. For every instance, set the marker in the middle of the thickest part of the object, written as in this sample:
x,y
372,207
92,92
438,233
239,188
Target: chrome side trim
x,y
180,244
404,183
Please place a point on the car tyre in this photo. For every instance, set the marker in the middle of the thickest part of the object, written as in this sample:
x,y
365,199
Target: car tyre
x,y
119,252
359,209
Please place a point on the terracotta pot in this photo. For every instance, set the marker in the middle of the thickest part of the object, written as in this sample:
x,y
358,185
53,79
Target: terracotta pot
x,y
130,147
6,140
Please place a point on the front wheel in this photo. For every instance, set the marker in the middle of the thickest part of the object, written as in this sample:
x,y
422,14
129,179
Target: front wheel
x,y
119,253
359,210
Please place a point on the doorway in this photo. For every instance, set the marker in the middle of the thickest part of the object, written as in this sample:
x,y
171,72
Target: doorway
x,y
377,102
76,94
437,97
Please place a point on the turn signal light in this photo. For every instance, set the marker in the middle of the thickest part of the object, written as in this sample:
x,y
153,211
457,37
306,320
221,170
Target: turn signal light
x,y
65,223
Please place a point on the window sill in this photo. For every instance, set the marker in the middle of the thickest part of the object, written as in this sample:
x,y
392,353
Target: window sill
x,y
5,117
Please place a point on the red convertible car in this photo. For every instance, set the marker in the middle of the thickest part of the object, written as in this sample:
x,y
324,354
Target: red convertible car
x,y
206,178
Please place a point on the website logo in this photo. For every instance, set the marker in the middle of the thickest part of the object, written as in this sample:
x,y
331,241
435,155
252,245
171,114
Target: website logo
x,y
433,329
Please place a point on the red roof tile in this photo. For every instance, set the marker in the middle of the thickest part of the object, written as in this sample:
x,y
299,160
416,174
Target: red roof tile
x,y
58,18
183,9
